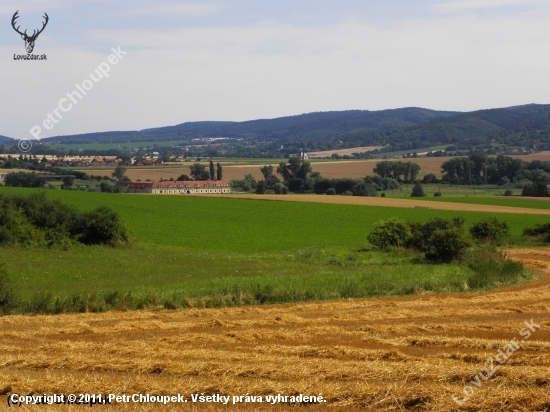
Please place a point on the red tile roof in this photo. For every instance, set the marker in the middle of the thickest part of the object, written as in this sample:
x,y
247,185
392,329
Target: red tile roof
x,y
191,184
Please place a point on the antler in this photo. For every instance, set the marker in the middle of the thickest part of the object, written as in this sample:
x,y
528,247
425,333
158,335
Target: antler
x,y
43,26
13,21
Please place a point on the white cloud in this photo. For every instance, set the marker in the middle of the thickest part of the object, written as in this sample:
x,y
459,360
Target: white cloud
x,y
269,70
10,6
194,9
470,5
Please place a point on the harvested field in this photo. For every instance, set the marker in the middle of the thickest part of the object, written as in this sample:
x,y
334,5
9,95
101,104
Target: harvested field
x,y
342,152
392,202
370,354
336,169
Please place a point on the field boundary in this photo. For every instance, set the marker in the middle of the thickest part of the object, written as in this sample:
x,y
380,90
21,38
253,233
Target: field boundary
x,y
390,202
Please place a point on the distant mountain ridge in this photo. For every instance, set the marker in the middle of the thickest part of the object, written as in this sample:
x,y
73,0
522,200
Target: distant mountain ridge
x,y
402,129
521,126
320,126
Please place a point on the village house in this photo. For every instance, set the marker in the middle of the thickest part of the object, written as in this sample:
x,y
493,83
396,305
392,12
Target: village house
x,y
190,187
140,187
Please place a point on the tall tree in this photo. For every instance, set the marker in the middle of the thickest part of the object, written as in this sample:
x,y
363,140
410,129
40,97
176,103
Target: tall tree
x,y
198,172
219,173
267,171
119,172
212,173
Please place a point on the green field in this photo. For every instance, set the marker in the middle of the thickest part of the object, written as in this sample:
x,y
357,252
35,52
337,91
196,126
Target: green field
x,y
235,250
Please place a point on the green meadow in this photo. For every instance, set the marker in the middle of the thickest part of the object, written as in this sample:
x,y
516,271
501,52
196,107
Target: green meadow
x,y
200,251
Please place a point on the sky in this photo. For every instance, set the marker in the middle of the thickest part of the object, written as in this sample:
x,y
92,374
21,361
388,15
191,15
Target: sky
x,y
244,59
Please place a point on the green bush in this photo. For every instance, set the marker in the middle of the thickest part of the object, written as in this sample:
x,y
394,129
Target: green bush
x,y
508,192
364,189
540,230
445,245
35,220
490,228
280,189
391,232
331,191
438,194
417,190
539,189
440,239
103,226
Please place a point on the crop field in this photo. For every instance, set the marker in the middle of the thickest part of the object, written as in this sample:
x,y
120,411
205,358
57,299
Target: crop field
x,y
215,259
441,208
342,152
384,354
250,224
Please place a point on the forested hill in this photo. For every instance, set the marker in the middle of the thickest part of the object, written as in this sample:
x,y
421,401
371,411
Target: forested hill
x,y
4,139
314,127
516,126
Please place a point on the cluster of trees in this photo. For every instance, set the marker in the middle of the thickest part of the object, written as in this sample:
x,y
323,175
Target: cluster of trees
x,y
404,172
297,176
22,179
199,172
478,168
36,220
439,239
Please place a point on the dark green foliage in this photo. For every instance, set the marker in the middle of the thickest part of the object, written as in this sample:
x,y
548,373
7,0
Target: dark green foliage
x,y
438,194
22,179
508,192
383,183
36,220
519,126
490,228
295,184
183,178
280,189
391,232
261,187
271,181
439,239
267,171
294,169
430,178
199,172
400,171
418,190
219,172
536,190
331,191
364,189
68,181
101,226
106,187
445,245
212,171
119,172
540,230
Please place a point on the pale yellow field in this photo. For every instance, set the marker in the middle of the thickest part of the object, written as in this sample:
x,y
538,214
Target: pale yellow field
x,y
386,354
342,152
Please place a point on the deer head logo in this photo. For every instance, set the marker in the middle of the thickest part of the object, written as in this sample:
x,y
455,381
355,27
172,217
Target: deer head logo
x,y
29,40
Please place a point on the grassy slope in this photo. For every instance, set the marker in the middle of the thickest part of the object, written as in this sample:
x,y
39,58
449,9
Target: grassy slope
x,y
254,225
203,246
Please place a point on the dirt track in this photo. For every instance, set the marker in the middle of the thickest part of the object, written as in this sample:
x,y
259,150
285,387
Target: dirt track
x,y
392,202
374,354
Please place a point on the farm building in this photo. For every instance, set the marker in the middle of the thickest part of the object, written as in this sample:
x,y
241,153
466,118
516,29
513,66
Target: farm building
x,y
190,187
140,187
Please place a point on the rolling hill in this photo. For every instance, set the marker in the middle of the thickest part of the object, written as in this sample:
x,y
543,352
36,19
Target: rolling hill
x,y
321,126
